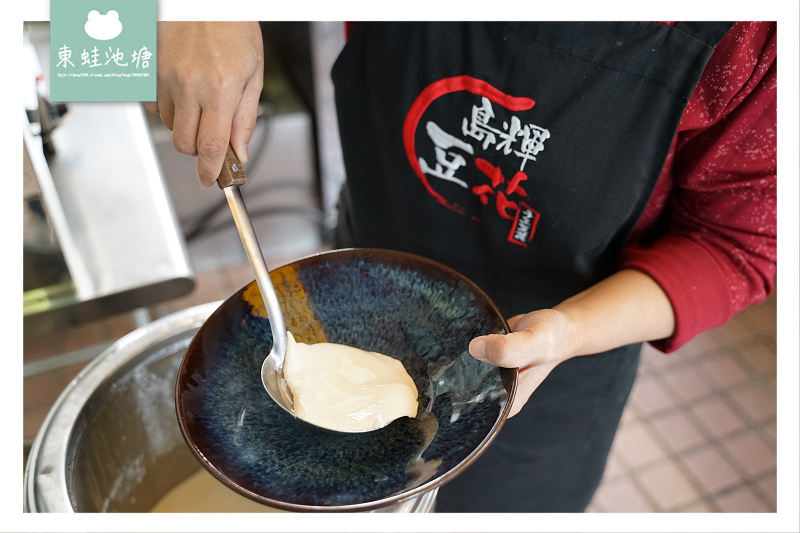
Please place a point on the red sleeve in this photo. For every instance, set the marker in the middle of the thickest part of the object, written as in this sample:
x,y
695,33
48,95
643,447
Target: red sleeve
x,y
348,29
718,252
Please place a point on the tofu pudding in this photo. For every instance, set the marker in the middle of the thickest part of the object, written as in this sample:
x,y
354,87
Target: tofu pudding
x,y
345,388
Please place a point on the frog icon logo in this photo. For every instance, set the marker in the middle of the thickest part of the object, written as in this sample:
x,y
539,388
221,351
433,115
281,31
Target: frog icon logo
x,y
103,27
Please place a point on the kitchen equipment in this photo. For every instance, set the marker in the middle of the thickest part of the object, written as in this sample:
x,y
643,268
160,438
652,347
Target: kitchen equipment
x,y
113,241
111,442
231,177
402,305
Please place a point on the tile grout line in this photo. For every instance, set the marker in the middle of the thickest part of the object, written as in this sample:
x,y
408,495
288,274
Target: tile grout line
x,y
671,458
684,407
717,443
723,393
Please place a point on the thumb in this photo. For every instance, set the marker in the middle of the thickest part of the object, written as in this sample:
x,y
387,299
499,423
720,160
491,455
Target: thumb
x,y
477,348
513,350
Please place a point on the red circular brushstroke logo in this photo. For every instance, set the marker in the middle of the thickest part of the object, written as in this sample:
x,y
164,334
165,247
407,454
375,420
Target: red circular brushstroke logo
x,y
441,88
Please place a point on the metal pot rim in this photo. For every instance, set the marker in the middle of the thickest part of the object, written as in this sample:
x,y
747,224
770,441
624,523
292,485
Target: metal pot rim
x,y
44,486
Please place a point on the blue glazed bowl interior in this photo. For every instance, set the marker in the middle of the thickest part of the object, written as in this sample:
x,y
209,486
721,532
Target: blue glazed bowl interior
x,y
402,305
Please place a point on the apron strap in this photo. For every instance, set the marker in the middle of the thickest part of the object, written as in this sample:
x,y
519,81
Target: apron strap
x,y
709,33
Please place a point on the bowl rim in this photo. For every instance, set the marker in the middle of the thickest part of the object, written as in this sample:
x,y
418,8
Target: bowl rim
x,y
507,374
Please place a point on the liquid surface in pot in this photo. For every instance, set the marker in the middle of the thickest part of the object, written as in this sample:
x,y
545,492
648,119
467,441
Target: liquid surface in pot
x,y
203,493
347,389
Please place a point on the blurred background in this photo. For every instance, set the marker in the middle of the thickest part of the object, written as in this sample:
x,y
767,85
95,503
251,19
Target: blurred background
x,y
118,233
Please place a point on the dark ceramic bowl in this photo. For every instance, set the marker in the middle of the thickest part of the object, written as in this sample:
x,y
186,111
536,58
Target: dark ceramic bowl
x,y
402,305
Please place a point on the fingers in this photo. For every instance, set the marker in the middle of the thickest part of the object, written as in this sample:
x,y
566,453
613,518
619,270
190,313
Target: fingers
x,y
186,122
213,135
206,131
210,76
513,321
539,341
151,107
529,380
201,126
165,106
244,119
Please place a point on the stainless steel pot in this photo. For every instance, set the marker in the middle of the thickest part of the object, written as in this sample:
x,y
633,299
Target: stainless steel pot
x,y
111,442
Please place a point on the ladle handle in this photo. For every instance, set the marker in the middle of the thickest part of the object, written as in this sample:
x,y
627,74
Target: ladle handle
x,y
233,174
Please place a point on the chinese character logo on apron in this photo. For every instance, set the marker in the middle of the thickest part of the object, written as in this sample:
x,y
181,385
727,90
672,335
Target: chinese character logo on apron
x,y
488,156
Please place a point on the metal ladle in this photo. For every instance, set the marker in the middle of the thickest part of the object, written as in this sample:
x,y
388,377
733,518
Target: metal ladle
x,y
230,178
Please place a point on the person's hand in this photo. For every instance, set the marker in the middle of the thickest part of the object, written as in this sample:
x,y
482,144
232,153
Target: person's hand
x,y
537,343
210,76
625,308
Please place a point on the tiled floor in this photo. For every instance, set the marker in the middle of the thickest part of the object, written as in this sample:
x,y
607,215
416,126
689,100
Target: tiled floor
x,y
699,431
698,435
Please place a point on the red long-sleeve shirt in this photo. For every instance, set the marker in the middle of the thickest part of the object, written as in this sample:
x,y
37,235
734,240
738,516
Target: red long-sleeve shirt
x,y
708,235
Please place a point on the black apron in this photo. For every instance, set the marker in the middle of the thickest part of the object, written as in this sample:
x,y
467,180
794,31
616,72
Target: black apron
x,y
522,155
